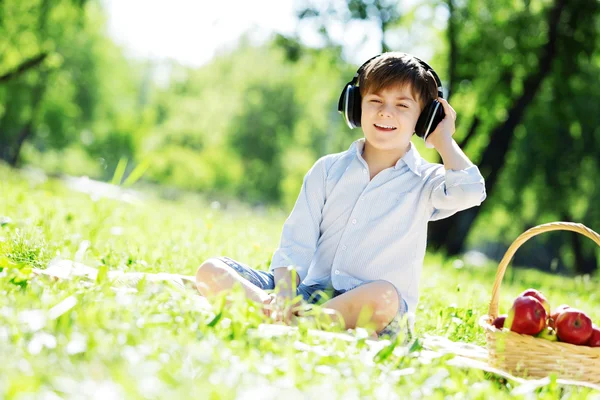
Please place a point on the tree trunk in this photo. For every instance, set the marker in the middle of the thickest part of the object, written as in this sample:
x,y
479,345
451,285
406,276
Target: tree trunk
x,y
5,142
453,52
23,135
583,264
451,233
4,152
13,151
28,129
471,133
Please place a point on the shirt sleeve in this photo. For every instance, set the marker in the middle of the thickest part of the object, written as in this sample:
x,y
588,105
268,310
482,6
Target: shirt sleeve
x,y
455,190
301,229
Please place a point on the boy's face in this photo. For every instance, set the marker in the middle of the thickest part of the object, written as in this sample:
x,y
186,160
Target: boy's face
x,y
389,117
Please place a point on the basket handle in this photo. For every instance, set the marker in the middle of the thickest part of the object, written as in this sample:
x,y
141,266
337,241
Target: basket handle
x,y
525,236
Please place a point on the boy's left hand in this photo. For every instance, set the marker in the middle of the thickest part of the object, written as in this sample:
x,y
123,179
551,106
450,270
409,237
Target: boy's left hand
x,y
282,308
445,129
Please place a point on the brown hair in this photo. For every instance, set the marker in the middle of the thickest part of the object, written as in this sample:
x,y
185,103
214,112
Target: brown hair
x,y
398,69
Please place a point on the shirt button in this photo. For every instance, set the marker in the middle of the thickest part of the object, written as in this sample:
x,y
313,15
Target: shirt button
x,y
337,272
364,170
354,221
344,247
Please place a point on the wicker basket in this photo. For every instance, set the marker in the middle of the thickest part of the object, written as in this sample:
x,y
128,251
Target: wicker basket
x,y
528,356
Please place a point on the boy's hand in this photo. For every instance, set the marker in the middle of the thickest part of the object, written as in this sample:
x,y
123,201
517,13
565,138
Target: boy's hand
x,y
286,282
441,138
268,305
442,135
280,308
283,309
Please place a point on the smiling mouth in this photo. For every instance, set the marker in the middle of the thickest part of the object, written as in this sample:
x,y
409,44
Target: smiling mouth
x,y
385,128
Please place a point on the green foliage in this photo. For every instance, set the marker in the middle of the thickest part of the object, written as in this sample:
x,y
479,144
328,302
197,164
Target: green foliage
x,y
254,119
551,165
33,29
211,169
248,119
83,93
260,135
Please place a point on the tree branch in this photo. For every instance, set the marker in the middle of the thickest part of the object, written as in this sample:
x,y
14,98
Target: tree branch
x,y
25,66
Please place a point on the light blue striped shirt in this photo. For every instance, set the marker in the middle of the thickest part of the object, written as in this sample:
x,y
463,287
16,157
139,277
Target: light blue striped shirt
x,y
346,229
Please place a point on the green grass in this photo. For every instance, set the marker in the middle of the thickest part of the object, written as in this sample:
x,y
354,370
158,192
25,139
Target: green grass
x,y
162,344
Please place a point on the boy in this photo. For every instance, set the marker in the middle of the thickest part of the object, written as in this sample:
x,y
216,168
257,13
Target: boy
x,y
359,226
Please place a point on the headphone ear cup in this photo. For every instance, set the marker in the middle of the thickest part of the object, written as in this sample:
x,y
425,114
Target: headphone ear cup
x,y
429,119
354,110
357,108
348,104
341,101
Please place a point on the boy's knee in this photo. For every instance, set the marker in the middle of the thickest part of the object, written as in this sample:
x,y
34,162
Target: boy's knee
x,y
211,268
387,302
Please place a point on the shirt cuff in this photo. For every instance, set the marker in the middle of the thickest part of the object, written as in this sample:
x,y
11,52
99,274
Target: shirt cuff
x,y
468,175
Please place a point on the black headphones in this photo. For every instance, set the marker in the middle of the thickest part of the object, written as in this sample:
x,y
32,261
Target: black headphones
x,y
350,103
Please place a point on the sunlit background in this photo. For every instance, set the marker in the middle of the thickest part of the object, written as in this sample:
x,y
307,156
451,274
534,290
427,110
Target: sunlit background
x,y
192,32
237,99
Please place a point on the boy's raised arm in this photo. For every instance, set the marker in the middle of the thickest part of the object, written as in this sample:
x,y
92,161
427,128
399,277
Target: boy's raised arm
x,y
461,185
301,229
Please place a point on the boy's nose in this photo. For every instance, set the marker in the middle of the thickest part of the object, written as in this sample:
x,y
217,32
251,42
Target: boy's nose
x,y
384,111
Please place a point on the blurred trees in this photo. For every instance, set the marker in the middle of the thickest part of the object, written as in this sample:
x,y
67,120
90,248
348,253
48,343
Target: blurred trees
x,y
25,47
521,75
251,123
262,133
524,69
58,88
385,14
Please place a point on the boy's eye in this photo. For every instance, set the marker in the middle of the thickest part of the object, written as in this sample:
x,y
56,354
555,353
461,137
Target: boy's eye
x,y
375,101
402,105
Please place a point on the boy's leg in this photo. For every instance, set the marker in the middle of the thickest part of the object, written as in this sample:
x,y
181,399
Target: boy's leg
x,y
218,274
378,302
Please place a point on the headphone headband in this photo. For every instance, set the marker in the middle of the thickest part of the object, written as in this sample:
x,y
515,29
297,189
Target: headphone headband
x,y
423,64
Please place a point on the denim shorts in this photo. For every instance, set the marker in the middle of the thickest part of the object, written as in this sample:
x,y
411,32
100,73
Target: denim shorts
x,y
315,294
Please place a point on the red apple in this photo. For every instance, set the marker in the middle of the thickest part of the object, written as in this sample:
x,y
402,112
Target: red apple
x,y
573,326
499,321
526,316
538,295
555,313
558,310
594,340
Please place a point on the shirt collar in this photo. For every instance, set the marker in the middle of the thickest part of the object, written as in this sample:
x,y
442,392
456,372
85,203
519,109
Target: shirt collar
x,y
411,158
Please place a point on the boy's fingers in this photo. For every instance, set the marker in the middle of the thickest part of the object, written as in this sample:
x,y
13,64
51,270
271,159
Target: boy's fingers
x,y
447,108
